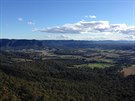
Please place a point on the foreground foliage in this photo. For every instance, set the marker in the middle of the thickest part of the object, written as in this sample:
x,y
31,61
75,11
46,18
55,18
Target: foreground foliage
x,y
51,81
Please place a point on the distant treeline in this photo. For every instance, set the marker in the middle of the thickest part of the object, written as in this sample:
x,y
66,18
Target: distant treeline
x,y
40,44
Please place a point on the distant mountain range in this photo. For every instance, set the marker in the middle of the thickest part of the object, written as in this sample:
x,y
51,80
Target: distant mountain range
x,y
40,44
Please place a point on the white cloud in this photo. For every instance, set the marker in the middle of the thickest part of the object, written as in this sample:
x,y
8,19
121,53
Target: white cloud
x,y
130,30
62,37
20,19
30,23
91,16
103,28
58,37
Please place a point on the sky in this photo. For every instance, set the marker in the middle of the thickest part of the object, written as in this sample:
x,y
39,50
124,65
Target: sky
x,y
67,19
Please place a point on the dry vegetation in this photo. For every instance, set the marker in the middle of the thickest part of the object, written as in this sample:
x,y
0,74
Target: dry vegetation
x,y
128,71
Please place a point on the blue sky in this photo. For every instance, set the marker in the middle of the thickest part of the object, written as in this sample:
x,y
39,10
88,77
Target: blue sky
x,y
68,19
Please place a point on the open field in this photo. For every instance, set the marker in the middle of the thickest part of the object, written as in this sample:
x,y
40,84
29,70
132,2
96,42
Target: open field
x,y
93,65
129,71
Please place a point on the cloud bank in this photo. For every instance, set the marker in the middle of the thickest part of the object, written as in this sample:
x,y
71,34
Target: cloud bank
x,y
87,27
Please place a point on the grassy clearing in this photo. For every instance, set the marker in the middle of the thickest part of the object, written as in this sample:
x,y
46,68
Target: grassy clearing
x,y
105,60
94,65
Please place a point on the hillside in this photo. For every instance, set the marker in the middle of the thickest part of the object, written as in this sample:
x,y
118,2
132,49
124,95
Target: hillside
x,y
65,71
